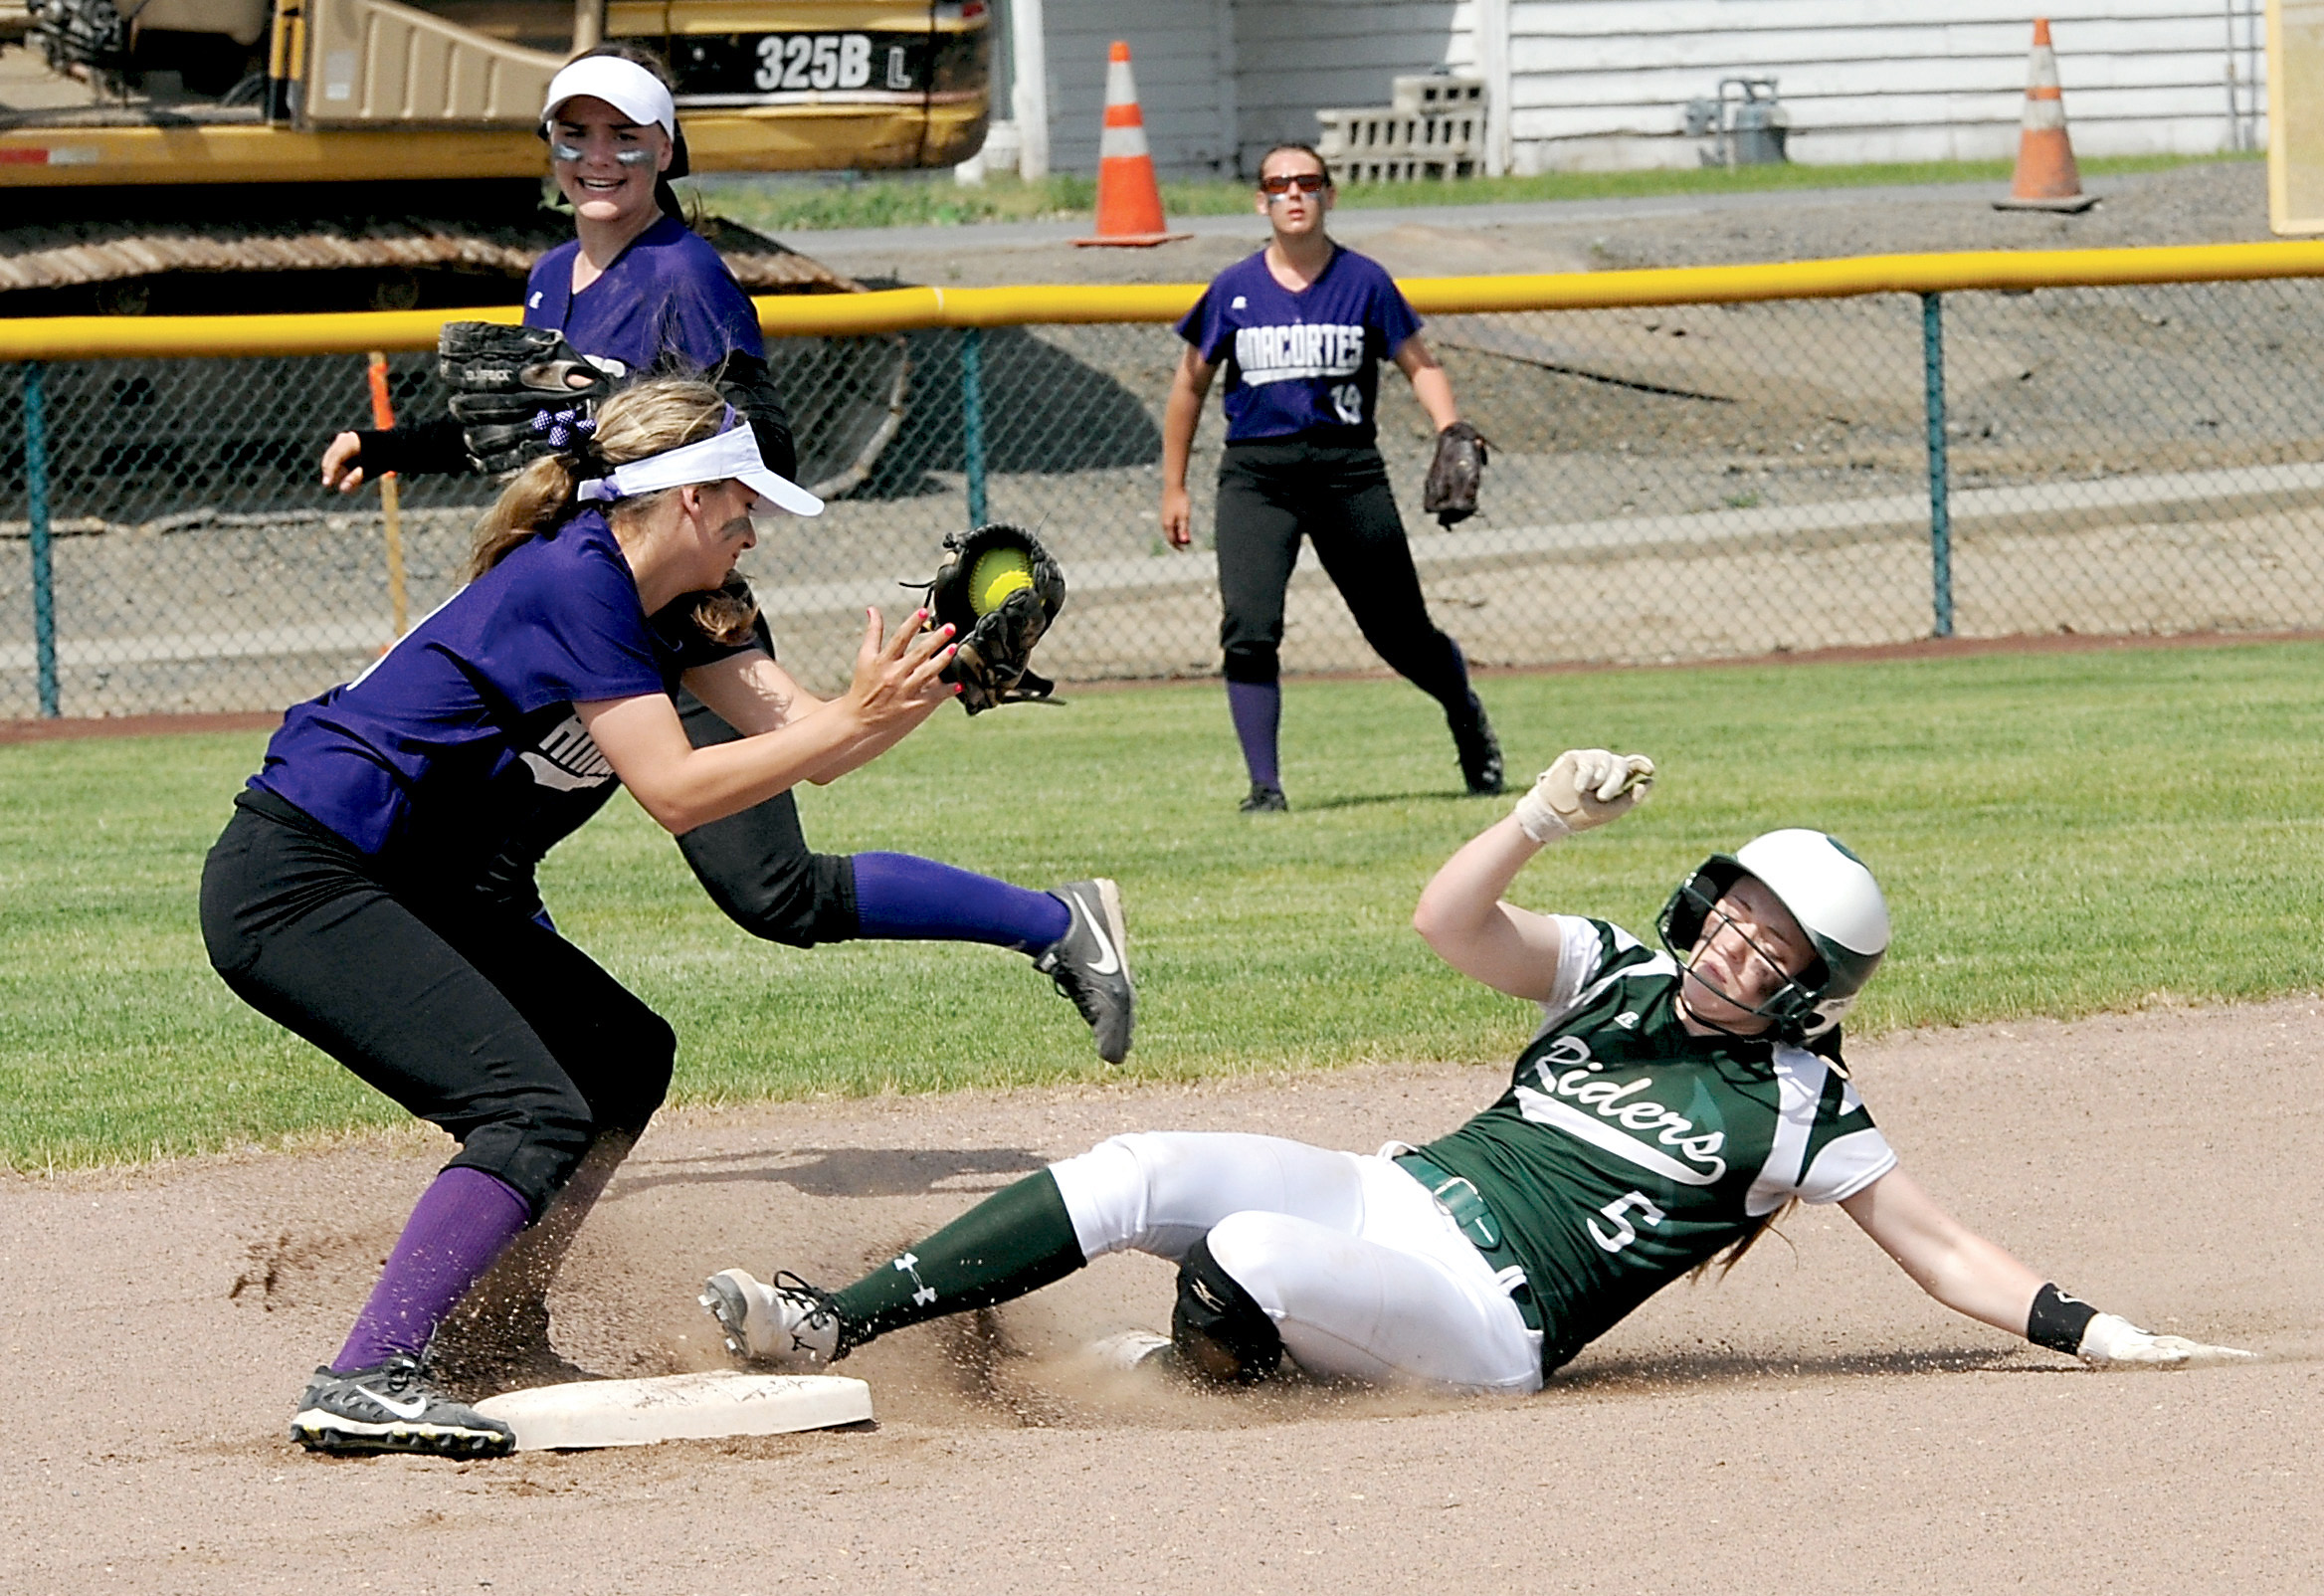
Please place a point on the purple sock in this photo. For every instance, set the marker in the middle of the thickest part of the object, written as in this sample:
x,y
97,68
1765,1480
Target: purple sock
x,y
459,1225
903,898
1257,709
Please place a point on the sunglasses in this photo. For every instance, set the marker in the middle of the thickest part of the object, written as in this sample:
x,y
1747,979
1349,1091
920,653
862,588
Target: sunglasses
x,y
1305,182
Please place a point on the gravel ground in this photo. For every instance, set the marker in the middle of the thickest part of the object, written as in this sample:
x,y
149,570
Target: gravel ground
x,y
1810,1423
2209,204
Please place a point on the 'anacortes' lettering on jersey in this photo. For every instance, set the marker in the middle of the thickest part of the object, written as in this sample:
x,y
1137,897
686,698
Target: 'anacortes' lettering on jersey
x,y
568,758
1618,1118
1283,355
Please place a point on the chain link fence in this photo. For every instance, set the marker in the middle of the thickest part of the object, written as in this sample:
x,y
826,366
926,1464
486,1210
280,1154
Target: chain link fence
x,y
1667,484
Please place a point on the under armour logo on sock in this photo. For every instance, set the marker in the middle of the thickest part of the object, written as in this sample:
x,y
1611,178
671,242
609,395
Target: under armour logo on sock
x,y
910,1265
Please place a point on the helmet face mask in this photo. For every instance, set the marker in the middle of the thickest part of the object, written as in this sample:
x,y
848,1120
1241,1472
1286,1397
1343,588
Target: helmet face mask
x,y
1830,893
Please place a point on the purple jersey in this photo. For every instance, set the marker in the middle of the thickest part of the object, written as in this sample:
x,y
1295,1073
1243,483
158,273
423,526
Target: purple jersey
x,y
1306,365
668,293
438,751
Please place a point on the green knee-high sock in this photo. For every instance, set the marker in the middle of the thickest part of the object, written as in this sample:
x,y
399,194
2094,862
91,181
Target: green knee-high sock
x,y
1014,1241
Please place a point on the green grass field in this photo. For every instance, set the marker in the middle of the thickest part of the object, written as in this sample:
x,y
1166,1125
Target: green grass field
x,y
2058,834
793,205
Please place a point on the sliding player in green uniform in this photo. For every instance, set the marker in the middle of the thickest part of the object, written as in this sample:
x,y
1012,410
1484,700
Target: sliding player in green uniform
x,y
1674,1101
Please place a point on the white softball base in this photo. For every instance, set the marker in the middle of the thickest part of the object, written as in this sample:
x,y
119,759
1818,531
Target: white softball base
x,y
677,1407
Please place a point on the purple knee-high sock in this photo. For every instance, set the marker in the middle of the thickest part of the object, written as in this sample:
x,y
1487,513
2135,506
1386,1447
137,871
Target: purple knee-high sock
x,y
1257,709
903,898
459,1225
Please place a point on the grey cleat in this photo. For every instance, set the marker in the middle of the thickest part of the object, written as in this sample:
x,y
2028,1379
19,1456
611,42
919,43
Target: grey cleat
x,y
393,1408
788,1322
1090,964
1265,800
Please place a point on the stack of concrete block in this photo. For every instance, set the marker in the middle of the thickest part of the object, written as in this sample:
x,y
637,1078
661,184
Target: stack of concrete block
x,y
1435,129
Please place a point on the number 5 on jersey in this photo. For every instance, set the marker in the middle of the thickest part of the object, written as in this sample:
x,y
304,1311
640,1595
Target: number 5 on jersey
x,y
1623,1233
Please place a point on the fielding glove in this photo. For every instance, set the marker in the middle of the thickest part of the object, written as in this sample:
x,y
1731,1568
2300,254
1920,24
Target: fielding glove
x,y
519,393
999,590
1454,474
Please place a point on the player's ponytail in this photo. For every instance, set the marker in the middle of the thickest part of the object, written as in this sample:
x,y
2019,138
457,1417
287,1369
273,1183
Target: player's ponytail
x,y
649,418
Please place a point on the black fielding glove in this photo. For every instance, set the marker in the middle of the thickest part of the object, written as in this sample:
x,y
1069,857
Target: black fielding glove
x,y
519,393
1454,474
999,590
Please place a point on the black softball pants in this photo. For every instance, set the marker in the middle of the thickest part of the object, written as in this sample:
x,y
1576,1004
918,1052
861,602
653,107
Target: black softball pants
x,y
1272,495
756,865
471,1016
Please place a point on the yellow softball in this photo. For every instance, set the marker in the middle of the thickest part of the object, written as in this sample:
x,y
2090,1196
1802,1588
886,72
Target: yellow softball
x,y
997,573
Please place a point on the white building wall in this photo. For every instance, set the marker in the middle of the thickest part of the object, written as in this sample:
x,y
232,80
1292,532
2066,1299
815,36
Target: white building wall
x,y
1604,83
1180,51
1294,57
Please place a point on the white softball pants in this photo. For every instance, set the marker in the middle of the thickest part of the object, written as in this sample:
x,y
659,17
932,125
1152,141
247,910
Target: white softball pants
x,y
1363,1271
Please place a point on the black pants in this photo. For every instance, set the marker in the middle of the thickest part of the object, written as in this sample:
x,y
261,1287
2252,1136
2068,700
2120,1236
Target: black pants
x,y
472,1017
756,865
1271,494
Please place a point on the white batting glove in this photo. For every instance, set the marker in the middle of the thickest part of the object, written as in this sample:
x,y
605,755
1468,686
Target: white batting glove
x,y
1586,787
2112,1340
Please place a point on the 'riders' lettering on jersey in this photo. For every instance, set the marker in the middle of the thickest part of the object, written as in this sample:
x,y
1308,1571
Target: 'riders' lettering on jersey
x,y
1628,1150
1279,354
1621,1123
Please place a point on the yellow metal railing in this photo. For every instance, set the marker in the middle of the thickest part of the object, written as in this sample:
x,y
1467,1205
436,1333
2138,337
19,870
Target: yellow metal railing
x,y
908,310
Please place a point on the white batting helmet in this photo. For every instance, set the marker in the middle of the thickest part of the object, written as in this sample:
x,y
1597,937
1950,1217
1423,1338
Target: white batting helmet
x,y
1827,891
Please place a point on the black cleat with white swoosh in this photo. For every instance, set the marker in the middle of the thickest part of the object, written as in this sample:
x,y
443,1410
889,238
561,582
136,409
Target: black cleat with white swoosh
x,y
393,1408
1090,964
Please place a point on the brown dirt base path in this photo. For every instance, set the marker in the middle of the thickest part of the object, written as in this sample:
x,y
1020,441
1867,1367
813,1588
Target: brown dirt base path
x,y
1810,1424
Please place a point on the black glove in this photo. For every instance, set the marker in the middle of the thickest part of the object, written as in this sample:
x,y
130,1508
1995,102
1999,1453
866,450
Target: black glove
x,y
1453,475
999,590
519,393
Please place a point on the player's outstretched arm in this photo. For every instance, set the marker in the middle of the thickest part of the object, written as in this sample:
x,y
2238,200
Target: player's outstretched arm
x,y
1461,914
1972,1276
895,688
754,694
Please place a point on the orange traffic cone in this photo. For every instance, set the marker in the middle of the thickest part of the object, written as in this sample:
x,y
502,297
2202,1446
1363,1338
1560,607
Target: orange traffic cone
x,y
1129,200
2047,178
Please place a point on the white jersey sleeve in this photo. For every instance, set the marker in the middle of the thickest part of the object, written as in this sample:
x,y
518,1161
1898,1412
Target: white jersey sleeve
x,y
1826,1147
1581,951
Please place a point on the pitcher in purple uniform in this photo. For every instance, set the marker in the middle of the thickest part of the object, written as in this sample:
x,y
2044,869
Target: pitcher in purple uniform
x,y
1301,328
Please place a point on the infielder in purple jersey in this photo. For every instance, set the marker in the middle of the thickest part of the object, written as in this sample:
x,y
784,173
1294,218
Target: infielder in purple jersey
x,y
351,896
641,291
1301,329
1673,1102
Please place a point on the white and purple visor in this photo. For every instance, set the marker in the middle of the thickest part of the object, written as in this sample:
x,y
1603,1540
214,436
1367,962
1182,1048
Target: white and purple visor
x,y
624,85
732,456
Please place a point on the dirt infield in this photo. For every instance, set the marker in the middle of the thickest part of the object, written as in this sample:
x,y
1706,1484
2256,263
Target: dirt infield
x,y
1811,1423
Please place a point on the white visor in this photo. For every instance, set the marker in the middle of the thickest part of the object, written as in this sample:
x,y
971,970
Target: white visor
x,y
732,456
624,85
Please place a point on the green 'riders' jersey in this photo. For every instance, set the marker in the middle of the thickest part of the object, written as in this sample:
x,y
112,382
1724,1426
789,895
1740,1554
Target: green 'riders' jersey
x,y
1628,1150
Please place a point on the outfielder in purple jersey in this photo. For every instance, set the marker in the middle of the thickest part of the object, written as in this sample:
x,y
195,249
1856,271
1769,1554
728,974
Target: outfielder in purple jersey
x,y
1300,330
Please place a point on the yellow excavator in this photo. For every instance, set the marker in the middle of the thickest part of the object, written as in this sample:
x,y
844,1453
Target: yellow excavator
x,y
214,156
